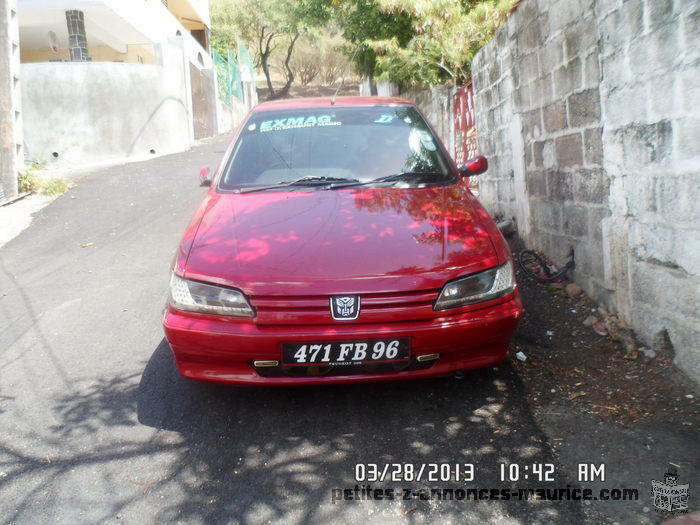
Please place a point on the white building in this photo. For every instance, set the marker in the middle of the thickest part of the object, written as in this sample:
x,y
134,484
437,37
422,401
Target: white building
x,y
116,79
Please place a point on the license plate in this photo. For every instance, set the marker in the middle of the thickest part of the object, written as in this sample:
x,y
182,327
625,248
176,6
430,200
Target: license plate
x,y
346,353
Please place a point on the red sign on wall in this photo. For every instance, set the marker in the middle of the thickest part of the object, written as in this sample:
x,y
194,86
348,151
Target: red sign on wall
x,y
465,130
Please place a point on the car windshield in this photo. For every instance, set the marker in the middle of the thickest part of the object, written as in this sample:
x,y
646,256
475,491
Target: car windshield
x,y
335,145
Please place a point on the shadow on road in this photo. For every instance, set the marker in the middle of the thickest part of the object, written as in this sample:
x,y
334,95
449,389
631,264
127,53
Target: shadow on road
x,y
276,453
223,454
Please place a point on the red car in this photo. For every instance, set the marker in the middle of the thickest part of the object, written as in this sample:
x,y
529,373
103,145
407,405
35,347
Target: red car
x,y
339,243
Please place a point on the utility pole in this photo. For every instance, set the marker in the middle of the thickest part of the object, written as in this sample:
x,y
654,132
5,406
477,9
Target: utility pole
x,y
11,151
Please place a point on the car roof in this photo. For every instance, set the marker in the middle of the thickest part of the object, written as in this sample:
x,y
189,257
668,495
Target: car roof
x,y
322,102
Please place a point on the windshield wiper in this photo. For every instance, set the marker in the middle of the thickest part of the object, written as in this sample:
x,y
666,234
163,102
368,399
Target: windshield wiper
x,y
396,177
303,181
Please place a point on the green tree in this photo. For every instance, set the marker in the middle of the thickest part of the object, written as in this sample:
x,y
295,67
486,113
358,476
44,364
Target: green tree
x,y
420,41
447,34
363,22
270,27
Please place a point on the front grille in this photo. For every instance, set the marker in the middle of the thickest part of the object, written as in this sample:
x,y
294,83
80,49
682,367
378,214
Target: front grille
x,y
315,309
323,371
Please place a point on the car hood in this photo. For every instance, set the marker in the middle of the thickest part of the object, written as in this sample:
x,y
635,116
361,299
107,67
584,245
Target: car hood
x,y
340,241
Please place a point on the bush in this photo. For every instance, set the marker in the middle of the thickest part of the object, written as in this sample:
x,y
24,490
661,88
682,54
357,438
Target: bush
x,y
31,181
318,57
28,181
54,186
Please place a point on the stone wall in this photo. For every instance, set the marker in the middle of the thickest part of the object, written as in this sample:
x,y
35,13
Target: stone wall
x,y
588,113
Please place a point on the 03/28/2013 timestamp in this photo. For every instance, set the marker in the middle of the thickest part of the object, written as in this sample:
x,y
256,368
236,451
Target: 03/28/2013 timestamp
x,y
455,472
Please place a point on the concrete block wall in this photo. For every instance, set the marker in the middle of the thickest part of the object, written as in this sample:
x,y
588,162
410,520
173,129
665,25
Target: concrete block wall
x,y
538,122
650,87
587,110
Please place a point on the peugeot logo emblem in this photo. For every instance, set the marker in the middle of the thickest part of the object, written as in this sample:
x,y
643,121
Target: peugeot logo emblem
x,y
345,307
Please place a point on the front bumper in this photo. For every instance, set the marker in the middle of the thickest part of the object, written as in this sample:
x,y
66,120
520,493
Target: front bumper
x,y
215,349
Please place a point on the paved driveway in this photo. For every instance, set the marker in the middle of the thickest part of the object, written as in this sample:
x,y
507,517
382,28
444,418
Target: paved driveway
x,y
97,427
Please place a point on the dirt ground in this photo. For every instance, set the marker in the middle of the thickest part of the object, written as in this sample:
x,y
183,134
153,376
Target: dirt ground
x,y
297,91
601,398
595,373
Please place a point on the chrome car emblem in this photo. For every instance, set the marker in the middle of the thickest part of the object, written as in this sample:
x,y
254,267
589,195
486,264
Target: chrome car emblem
x,y
345,307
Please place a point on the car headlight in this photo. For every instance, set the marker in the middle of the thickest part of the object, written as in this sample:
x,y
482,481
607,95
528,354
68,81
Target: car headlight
x,y
207,298
478,287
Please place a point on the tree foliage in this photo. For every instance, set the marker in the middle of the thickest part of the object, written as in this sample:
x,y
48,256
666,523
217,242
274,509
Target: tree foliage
x,y
318,58
406,41
305,63
420,41
362,22
447,35
270,27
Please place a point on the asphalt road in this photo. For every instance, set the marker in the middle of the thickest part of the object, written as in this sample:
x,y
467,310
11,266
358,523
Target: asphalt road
x,y
97,427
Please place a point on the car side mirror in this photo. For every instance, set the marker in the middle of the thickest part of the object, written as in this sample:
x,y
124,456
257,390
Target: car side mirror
x,y
474,166
205,176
